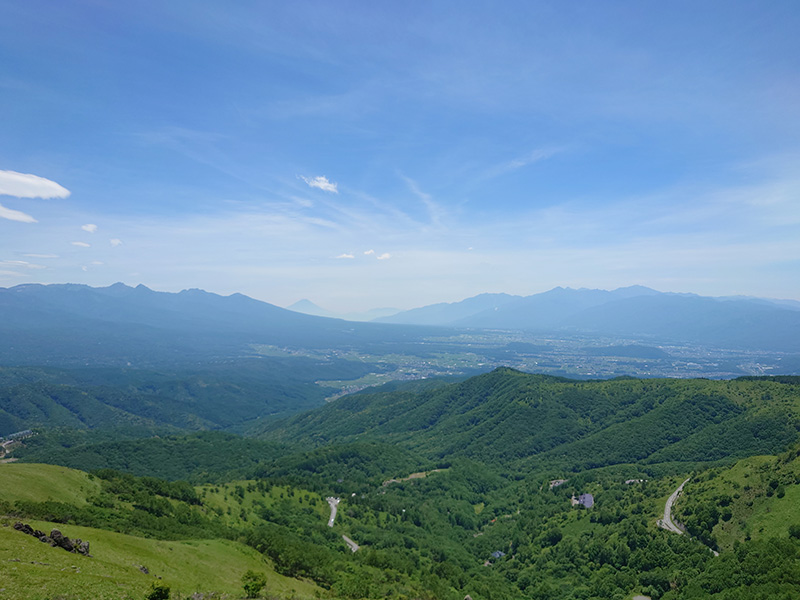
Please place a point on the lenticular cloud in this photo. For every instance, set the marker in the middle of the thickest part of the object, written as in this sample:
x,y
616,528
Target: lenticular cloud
x,y
25,185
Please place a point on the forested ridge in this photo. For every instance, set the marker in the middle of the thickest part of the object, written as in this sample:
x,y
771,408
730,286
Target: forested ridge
x,y
486,513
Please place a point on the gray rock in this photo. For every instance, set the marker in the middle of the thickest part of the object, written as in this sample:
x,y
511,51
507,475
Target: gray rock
x,y
62,541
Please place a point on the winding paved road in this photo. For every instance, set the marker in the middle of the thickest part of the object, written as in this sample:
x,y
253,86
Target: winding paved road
x,y
351,543
333,502
667,522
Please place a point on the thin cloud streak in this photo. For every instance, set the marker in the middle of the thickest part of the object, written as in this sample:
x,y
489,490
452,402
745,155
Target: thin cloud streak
x,y
435,212
15,215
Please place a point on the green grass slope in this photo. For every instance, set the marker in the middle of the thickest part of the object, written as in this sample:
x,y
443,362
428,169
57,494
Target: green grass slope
x,y
756,498
19,481
31,570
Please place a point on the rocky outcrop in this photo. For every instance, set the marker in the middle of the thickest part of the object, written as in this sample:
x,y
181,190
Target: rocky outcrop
x,y
55,539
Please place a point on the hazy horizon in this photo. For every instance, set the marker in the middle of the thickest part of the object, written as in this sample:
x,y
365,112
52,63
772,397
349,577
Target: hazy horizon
x,y
365,155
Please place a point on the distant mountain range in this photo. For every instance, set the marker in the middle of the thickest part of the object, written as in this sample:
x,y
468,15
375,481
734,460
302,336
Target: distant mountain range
x,y
64,324
451,313
307,307
632,312
69,324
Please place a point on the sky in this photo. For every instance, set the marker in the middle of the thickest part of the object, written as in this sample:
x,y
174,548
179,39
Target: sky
x,y
396,154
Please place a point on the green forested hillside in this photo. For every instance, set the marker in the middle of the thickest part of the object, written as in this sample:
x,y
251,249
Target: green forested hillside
x,y
203,397
520,419
467,488
203,456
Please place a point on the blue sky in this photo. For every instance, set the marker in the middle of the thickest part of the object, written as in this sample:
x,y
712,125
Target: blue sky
x,y
367,154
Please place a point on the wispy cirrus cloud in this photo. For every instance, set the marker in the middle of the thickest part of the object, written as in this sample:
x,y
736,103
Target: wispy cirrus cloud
x,y
345,255
435,211
20,264
321,182
533,157
81,244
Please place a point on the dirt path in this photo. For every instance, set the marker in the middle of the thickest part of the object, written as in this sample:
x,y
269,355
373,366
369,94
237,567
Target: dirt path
x,y
420,475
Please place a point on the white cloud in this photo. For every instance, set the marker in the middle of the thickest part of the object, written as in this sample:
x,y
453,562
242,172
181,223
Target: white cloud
x,y
321,182
40,255
90,227
97,263
81,244
20,264
24,185
345,256
115,242
384,256
369,252
15,215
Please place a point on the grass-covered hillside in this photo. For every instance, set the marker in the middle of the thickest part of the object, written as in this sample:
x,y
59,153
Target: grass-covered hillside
x,y
756,498
121,565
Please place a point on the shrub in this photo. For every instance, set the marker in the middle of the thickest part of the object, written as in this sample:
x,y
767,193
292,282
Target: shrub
x,y
253,583
158,591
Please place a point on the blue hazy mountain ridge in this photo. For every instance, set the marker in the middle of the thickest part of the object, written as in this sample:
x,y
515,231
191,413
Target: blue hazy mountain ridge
x,y
69,323
548,310
63,324
634,312
449,313
307,307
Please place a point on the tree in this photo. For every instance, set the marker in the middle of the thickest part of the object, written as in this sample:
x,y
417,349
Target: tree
x,y
253,583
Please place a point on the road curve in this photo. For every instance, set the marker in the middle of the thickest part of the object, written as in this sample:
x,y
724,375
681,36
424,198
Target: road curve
x,y
333,502
667,522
